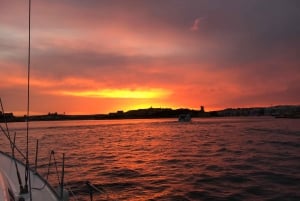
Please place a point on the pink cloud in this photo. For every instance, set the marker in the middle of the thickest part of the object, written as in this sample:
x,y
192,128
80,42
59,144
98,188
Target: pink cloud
x,y
196,24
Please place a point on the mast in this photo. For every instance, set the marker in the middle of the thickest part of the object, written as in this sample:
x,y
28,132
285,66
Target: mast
x,y
27,172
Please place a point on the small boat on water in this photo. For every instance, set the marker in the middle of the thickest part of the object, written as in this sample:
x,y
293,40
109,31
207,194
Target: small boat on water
x,y
184,117
18,180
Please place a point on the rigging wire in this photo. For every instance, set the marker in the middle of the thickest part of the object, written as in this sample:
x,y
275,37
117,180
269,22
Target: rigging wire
x,y
4,116
12,146
55,163
48,171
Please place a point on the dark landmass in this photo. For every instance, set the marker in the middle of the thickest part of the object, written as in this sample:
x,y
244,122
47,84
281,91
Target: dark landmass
x,y
287,111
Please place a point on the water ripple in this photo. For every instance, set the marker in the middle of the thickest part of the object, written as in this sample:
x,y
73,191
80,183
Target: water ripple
x,y
206,159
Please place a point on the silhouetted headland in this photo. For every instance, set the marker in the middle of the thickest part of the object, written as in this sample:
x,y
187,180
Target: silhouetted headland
x,y
286,111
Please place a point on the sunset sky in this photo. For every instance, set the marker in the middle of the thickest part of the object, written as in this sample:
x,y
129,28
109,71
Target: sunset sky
x,y
100,56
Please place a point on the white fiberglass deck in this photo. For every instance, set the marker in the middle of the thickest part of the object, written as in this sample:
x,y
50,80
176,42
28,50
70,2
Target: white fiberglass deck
x,y
41,190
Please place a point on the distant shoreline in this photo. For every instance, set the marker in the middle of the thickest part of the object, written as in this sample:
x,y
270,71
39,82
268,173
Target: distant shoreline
x,y
287,111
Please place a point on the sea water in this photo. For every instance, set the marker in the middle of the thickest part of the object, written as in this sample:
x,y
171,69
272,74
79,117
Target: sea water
x,y
255,158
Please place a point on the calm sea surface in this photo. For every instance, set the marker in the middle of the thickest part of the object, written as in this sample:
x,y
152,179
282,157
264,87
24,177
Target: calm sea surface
x,y
162,159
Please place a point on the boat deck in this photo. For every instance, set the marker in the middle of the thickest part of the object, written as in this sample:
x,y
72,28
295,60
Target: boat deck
x,y
41,190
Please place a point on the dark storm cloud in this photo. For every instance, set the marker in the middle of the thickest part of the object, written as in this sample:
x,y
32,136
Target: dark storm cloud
x,y
244,32
244,29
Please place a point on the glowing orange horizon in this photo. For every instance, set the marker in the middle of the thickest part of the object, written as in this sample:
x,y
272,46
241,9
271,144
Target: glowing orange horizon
x,y
119,93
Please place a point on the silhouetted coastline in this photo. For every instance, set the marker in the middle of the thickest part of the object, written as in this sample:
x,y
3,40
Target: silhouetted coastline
x,y
287,111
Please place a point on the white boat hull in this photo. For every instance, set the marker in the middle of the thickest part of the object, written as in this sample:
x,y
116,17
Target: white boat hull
x,y
9,185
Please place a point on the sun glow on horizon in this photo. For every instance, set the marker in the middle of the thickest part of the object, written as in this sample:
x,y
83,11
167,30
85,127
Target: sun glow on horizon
x,y
120,93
